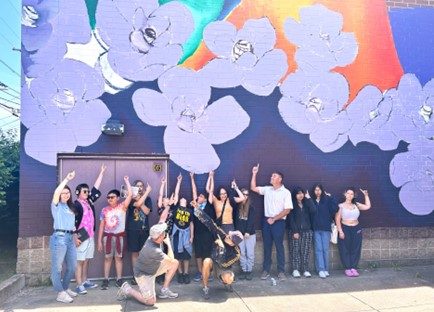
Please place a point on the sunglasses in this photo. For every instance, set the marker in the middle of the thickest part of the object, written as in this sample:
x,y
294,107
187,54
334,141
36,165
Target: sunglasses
x,y
111,197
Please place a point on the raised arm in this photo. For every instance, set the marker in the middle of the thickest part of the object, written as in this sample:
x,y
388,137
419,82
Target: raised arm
x,y
240,198
253,186
161,192
210,187
98,180
193,186
127,200
177,188
141,202
61,186
367,204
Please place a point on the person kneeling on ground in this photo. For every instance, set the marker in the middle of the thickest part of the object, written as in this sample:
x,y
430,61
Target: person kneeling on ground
x,y
224,254
152,262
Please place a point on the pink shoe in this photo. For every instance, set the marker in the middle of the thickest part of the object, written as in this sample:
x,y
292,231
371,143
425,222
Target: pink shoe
x,y
349,273
354,272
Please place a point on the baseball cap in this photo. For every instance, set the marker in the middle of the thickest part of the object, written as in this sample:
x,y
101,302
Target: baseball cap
x,y
157,229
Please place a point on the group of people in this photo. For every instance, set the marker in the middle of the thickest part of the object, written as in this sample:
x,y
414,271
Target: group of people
x,y
219,227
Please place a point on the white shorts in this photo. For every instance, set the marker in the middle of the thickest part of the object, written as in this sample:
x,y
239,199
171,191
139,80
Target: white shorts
x,y
146,283
86,249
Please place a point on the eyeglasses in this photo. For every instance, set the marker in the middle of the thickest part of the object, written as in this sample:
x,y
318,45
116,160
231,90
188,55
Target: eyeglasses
x,y
111,197
85,191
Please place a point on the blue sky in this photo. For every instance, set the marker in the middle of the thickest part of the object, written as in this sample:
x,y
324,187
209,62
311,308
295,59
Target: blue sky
x,y
10,37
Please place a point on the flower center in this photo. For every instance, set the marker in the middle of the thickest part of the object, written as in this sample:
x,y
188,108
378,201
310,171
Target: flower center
x,y
324,36
186,120
149,34
315,103
426,113
29,16
241,47
373,114
143,39
64,100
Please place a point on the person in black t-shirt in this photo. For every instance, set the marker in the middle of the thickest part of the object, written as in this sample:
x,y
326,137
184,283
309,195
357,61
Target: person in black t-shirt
x,y
203,240
137,223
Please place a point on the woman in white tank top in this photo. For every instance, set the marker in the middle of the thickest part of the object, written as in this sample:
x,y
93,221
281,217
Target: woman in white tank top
x,y
350,232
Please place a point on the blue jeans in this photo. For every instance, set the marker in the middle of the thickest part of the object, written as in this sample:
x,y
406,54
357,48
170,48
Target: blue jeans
x,y
273,233
322,243
62,249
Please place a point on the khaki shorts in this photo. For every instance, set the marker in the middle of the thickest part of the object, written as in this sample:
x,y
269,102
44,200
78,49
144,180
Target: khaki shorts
x,y
113,243
86,249
146,283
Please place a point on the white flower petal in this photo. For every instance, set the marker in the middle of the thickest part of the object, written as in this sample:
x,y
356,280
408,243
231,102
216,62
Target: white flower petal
x,y
152,107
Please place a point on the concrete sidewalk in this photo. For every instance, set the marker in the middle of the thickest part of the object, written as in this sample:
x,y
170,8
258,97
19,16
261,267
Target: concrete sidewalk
x,y
386,289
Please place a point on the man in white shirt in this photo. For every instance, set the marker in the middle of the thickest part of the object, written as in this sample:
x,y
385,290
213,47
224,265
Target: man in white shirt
x,y
277,205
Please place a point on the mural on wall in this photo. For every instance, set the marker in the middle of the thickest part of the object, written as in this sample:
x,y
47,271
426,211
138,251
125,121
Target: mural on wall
x,y
212,73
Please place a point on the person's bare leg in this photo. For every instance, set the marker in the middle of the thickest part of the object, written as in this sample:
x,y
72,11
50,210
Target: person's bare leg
x,y
131,292
84,270
107,266
206,271
186,264
118,267
171,272
78,273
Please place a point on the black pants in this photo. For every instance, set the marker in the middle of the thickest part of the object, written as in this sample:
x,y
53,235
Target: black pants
x,y
301,250
350,248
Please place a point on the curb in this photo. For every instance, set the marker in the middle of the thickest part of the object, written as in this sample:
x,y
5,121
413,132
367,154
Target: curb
x,y
11,286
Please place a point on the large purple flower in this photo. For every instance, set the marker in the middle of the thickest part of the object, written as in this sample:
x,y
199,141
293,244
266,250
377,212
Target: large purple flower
x,y
192,126
370,114
61,110
411,116
313,105
70,26
144,39
321,43
245,57
413,172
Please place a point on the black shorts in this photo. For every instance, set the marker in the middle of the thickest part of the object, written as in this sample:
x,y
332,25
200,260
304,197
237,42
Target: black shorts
x,y
136,239
203,244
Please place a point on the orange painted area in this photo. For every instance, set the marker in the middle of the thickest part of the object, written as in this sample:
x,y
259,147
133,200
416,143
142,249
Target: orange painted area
x,y
377,62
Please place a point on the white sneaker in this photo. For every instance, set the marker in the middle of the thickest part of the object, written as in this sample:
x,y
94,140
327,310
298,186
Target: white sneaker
x,y
295,274
322,274
64,297
123,291
307,274
71,293
326,273
167,293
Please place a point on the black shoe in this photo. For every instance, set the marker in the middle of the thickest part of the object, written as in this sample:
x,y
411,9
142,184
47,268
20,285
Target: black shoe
x,y
242,275
133,281
119,282
180,278
187,279
105,284
249,276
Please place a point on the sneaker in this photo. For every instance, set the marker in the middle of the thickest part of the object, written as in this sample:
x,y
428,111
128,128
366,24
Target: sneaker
x,y
64,297
322,274
205,293
123,291
167,293
119,282
81,290
327,274
355,272
71,293
211,278
89,285
105,284
307,274
187,279
265,275
197,277
295,274
249,276
229,288
281,277
242,275
349,273
180,278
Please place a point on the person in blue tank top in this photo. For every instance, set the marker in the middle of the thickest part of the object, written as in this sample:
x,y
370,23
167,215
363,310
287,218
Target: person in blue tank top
x,y
62,246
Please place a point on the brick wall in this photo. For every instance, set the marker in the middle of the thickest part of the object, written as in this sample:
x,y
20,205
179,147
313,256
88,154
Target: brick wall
x,y
381,247
409,3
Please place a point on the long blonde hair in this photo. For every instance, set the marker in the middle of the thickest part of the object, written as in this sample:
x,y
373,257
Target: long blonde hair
x,y
244,206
